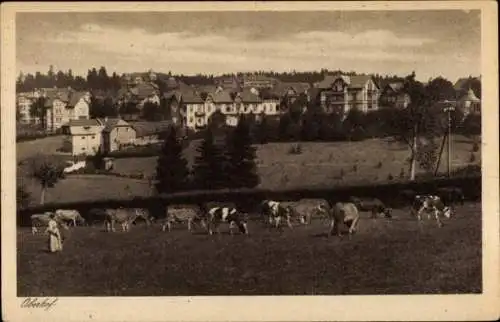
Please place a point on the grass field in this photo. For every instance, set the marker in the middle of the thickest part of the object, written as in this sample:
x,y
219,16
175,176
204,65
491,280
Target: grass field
x,y
320,164
384,257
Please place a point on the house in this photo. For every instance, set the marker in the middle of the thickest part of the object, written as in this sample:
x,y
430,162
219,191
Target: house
x,y
82,136
115,134
24,101
463,85
340,93
149,132
392,95
64,105
469,103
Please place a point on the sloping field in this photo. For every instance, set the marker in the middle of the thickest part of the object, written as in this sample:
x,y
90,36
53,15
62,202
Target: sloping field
x,y
320,164
384,257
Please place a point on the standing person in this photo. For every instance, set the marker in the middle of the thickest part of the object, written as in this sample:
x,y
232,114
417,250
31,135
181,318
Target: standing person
x,y
55,241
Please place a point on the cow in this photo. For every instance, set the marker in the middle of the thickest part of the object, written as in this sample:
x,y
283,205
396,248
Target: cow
x,y
124,217
305,209
72,216
430,204
373,205
451,195
274,212
343,213
231,215
189,214
42,220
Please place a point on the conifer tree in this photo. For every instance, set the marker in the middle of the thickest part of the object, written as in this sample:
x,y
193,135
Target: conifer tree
x,y
210,165
241,168
172,168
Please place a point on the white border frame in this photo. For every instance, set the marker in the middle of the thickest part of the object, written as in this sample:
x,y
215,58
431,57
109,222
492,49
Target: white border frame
x,y
293,308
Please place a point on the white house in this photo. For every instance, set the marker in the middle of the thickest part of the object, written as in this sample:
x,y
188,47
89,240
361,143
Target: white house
x,y
82,136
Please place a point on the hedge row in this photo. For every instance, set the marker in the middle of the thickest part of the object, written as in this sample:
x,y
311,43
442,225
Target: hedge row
x,y
247,199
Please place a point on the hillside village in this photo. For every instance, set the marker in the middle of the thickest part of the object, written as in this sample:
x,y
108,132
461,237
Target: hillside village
x,y
136,108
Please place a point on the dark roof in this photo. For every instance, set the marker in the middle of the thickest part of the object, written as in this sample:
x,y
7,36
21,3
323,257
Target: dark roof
x,y
248,97
354,81
191,97
150,128
75,98
281,89
223,96
90,122
111,123
396,86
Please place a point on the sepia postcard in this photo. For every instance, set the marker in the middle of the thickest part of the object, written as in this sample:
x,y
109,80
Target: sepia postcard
x,y
250,161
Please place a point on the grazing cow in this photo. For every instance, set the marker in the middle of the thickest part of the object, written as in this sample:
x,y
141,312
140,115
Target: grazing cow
x,y
274,212
373,205
231,215
343,213
430,204
451,195
189,214
42,220
124,217
72,216
305,209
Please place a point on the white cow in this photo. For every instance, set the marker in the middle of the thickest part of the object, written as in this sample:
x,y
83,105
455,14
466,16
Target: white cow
x,y
72,216
430,204
183,214
274,212
124,217
343,213
231,215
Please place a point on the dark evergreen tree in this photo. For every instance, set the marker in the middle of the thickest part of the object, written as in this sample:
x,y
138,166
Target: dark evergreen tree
x,y
241,169
172,168
209,171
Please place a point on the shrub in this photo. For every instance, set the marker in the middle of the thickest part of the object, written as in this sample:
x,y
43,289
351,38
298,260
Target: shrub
x,y
475,147
379,165
390,177
472,158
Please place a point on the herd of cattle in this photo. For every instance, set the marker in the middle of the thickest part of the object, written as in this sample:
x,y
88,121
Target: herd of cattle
x,y
211,215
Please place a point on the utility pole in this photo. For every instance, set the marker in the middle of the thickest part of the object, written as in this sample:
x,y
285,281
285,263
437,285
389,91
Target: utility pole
x,y
449,109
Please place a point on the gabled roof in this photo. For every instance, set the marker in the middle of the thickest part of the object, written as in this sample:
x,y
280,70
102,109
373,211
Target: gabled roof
x,y
281,89
90,122
395,86
150,128
75,98
111,123
248,97
223,96
354,81
191,97
470,96
144,90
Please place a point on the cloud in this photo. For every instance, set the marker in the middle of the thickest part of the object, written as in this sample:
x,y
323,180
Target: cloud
x,y
132,49
234,48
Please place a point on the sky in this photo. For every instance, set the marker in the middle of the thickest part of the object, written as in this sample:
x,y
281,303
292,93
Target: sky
x,y
432,43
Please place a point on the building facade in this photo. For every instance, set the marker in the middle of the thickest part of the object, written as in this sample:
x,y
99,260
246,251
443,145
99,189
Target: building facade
x,y
64,106
392,95
82,137
341,93
115,134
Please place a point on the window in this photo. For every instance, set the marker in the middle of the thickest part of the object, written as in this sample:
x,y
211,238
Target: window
x,y
93,136
127,129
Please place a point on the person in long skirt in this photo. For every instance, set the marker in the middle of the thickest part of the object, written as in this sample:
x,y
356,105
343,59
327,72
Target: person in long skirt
x,y
55,241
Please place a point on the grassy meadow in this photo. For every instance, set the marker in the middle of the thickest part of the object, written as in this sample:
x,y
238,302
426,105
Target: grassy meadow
x,y
384,257
319,164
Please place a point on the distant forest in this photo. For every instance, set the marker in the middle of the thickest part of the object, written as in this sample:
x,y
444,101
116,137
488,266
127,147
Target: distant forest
x,y
100,79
